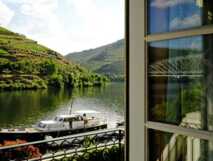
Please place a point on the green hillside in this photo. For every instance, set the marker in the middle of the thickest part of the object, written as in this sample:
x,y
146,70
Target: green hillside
x,y
25,64
107,60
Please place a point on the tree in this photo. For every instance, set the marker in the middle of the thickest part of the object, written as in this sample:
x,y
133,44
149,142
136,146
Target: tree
x,y
48,68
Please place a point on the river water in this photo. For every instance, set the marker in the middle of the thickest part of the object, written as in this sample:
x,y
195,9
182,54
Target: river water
x,y
25,108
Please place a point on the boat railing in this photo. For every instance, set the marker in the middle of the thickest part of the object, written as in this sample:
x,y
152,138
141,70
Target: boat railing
x,y
85,145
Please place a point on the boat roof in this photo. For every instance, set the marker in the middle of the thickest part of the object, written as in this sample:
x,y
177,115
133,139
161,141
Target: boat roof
x,y
68,116
86,112
77,113
48,122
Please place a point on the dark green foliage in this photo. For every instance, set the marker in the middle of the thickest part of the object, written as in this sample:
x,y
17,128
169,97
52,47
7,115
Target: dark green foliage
x,y
107,60
48,68
105,154
57,81
21,82
24,64
192,98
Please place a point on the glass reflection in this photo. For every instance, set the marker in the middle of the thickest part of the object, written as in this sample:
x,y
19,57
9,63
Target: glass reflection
x,y
173,147
172,15
181,82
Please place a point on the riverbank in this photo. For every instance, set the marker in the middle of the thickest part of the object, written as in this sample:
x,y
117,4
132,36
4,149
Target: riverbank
x,y
32,82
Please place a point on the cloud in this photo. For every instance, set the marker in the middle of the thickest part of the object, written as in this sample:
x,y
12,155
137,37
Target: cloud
x,y
38,20
6,14
69,25
169,3
192,21
101,22
38,8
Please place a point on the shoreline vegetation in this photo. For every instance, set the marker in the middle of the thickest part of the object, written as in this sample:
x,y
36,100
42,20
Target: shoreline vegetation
x,y
25,64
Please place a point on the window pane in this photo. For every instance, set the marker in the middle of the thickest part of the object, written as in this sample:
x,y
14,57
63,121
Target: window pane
x,y
181,82
173,147
172,15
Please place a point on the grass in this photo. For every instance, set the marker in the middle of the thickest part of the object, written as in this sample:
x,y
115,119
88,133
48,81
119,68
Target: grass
x,y
33,47
4,31
3,52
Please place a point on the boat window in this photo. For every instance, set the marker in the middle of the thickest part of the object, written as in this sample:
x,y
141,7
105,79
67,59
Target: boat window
x,y
41,125
58,119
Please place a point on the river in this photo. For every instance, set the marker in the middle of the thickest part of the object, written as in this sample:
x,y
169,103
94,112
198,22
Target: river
x,y
25,108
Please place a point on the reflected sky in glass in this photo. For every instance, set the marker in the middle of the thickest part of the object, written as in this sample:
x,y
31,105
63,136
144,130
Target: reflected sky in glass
x,y
172,15
193,43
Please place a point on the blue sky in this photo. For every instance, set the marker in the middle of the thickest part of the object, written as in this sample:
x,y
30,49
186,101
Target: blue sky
x,y
65,25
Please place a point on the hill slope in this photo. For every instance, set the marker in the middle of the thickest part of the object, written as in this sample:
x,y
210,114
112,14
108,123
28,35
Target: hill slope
x,y
107,60
25,64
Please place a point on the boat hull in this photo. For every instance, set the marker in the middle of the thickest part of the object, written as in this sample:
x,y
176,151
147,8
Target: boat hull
x,y
40,135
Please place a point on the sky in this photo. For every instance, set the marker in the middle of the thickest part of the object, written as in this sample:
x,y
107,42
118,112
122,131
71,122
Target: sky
x,y
65,25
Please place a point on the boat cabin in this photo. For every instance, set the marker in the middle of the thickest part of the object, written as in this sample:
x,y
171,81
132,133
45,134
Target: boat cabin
x,y
69,118
49,125
64,122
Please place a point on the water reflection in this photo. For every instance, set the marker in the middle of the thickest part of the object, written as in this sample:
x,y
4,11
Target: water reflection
x,y
24,108
180,82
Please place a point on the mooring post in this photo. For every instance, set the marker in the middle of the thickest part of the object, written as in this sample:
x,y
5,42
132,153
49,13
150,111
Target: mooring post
x,y
119,144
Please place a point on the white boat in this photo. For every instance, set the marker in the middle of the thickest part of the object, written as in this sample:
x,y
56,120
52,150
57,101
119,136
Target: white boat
x,y
61,125
73,121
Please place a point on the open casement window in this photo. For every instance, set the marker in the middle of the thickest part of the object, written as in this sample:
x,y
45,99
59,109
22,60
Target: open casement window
x,y
173,53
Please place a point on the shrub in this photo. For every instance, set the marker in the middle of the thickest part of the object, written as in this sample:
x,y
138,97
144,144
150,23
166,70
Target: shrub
x,y
105,154
22,152
56,81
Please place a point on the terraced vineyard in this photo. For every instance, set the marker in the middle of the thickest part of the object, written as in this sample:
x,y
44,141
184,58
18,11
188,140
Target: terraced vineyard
x,y
25,64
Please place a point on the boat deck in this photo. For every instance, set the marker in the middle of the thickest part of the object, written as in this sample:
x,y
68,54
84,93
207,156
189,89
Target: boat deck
x,y
18,130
